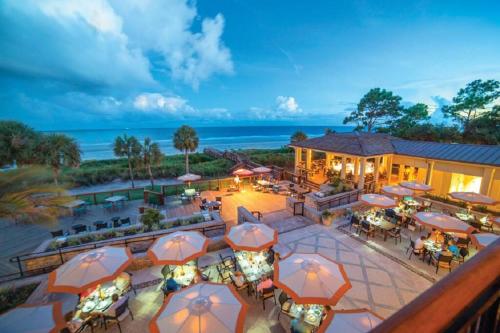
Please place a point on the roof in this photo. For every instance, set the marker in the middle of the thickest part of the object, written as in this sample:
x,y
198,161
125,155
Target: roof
x,y
370,144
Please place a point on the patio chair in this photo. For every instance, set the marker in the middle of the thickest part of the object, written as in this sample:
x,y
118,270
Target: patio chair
x,y
354,223
476,225
203,207
285,304
107,206
228,262
414,251
57,233
125,221
367,228
462,253
121,312
241,287
396,234
204,201
443,261
219,199
463,242
224,274
266,294
166,271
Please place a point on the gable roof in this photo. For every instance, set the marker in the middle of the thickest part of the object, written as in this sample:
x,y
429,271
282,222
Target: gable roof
x,y
370,144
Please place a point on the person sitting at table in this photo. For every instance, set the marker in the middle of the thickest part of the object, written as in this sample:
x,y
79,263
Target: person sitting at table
x,y
266,283
453,248
419,244
270,256
171,284
298,325
238,278
117,301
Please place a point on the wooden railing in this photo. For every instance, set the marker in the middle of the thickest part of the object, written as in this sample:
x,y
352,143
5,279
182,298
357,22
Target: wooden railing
x,y
467,300
339,200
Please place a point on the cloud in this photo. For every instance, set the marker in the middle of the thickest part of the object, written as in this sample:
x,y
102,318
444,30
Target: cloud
x,y
107,43
287,104
285,107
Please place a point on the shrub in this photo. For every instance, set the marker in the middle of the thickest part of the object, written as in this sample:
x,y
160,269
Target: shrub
x,y
151,217
12,297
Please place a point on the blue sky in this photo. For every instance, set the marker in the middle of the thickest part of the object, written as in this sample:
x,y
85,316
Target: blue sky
x,y
159,63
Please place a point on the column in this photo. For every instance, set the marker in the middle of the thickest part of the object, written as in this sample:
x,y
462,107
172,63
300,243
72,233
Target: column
x,y
308,159
356,167
361,180
430,169
298,159
389,168
376,169
401,172
487,181
344,167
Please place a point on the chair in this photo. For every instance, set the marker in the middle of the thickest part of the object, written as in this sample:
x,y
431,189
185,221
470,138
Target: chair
x,y
442,261
57,233
366,228
166,271
285,304
121,312
224,274
476,225
266,294
125,221
217,208
463,242
107,205
354,223
463,252
396,234
100,225
228,262
204,201
78,228
219,199
203,207
241,287
116,222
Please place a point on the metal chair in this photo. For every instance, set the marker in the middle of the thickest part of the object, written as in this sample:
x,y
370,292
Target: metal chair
x,y
121,312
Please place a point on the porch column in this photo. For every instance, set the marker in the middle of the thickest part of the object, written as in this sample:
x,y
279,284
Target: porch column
x,y
308,159
401,172
344,167
487,181
361,180
356,169
376,169
389,168
428,176
298,159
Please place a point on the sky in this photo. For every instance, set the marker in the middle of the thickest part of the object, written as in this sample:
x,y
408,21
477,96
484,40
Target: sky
x,y
69,64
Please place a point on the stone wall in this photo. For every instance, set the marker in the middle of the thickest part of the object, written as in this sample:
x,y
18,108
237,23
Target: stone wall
x,y
244,215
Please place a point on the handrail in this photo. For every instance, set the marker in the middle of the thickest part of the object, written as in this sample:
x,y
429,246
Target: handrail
x,y
351,196
456,301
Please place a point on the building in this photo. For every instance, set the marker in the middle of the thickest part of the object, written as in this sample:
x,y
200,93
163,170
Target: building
x,y
371,160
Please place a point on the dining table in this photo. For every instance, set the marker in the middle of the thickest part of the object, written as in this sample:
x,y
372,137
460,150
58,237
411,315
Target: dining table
x,y
184,274
263,182
253,264
464,216
313,313
381,224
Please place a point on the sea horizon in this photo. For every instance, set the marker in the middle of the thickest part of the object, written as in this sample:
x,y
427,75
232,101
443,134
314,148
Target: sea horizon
x,y
97,144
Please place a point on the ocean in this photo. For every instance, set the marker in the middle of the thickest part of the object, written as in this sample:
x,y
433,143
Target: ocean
x,y
97,144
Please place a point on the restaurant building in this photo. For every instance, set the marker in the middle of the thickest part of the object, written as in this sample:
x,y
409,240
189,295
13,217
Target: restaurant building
x,y
371,160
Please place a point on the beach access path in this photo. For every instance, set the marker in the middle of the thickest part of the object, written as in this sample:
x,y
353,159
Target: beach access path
x,y
119,184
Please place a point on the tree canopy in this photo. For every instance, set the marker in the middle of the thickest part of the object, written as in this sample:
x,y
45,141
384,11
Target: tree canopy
x,y
17,142
129,147
151,155
186,140
298,136
57,151
374,109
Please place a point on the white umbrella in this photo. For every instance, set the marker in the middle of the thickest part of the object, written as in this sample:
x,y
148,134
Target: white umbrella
x,y
378,200
415,186
398,191
189,177
473,198
251,237
242,172
350,321
443,222
261,169
483,239
41,318
202,308
311,278
178,248
89,269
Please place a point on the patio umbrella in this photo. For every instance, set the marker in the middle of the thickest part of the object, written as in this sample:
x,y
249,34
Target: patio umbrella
x,y
242,172
415,186
178,248
347,321
251,237
378,200
40,318
189,177
202,308
311,278
261,169
443,222
398,191
483,239
89,269
473,198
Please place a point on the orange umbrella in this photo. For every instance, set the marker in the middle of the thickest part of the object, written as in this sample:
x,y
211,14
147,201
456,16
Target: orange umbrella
x,y
483,239
242,172
415,186
350,321
178,248
202,308
311,278
397,191
377,200
251,237
443,222
33,319
473,198
89,269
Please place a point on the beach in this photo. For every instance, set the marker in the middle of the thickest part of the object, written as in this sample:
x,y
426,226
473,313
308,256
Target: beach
x,y
97,144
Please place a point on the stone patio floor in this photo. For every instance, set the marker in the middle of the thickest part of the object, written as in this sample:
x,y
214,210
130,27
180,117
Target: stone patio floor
x,y
378,282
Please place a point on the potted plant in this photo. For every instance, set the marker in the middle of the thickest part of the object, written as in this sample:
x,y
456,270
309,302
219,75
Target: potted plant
x,y
151,217
327,217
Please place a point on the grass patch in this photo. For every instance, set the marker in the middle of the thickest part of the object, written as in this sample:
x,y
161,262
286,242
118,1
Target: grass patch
x,y
12,297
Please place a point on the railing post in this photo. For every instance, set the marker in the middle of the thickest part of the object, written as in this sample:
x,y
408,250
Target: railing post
x,y
60,255
21,273
95,198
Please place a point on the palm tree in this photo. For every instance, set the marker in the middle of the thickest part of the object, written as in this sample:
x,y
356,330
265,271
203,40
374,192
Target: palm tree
x,y
151,155
130,148
57,151
26,193
186,140
298,136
